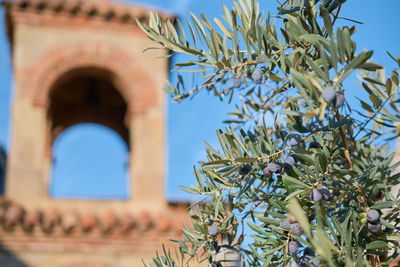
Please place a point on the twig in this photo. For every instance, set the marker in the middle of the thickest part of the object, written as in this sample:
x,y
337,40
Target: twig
x,y
344,141
249,212
210,84
352,20
336,15
249,63
376,112
380,134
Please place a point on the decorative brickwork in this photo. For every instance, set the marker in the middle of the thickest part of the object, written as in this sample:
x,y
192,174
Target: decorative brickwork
x,y
93,9
129,78
52,231
17,221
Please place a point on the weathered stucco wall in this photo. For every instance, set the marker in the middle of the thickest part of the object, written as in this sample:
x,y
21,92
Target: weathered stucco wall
x,y
43,51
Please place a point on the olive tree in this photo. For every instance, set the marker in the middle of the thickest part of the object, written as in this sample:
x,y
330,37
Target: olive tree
x,y
312,187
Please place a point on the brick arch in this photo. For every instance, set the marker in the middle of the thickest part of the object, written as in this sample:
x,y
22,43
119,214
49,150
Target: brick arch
x,y
130,80
70,89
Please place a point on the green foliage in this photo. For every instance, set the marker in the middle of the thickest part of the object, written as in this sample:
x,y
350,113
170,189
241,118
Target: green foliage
x,y
345,162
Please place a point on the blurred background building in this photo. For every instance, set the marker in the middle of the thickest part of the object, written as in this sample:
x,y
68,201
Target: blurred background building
x,y
78,62
84,94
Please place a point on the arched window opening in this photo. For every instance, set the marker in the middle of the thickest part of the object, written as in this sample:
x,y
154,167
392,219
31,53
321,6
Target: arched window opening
x,y
90,161
89,137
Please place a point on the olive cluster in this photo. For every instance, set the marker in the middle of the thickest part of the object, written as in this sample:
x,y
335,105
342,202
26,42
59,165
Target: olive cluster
x,y
291,224
333,97
213,231
278,167
318,194
374,225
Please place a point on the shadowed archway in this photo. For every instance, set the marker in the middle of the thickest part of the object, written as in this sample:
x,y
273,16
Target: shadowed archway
x,y
86,95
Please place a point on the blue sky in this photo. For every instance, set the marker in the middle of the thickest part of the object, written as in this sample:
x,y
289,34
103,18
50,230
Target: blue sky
x,y
190,122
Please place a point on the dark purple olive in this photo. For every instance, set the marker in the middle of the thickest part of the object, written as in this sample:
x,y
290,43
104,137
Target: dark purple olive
x,y
290,161
213,230
329,94
245,169
314,144
308,253
214,245
315,195
257,76
326,194
294,139
313,127
372,216
379,195
339,100
274,167
266,173
285,224
374,228
293,247
296,229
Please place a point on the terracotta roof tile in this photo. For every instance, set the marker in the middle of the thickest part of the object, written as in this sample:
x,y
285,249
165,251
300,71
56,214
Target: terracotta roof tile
x,y
88,221
144,221
93,8
71,222
127,223
50,219
13,215
109,221
163,223
32,218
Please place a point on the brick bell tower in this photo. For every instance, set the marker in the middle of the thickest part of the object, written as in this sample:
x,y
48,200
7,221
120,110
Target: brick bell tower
x,y
58,48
